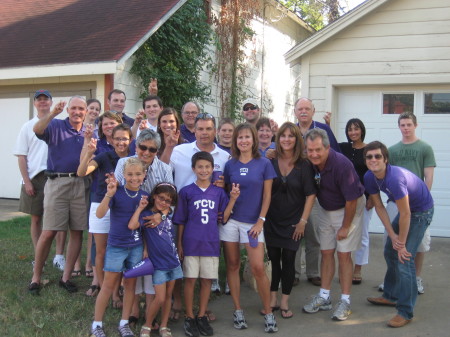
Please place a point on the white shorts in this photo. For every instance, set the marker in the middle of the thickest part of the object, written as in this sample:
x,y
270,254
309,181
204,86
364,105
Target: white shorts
x,y
144,284
96,225
329,222
201,266
235,231
425,245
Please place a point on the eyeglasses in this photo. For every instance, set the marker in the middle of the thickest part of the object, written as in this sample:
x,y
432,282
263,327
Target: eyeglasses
x,y
190,113
376,156
147,148
251,107
118,139
164,200
317,179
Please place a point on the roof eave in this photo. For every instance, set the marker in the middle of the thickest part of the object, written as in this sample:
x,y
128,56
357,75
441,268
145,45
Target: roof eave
x,y
293,55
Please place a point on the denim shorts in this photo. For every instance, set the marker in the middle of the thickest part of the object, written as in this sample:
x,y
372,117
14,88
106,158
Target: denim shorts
x,y
163,276
119,259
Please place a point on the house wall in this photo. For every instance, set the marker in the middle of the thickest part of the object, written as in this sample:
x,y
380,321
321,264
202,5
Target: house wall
x,y
271,81
131,85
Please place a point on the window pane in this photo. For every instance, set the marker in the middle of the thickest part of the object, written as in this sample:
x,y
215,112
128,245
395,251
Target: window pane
x,y
437,103
398,103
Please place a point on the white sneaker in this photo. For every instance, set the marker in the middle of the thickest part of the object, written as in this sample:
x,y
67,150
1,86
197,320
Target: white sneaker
x,y
59,262
381,287
227,289
420,289
215,286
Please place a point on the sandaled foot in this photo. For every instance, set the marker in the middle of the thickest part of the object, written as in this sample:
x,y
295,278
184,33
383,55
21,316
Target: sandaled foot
x,y
165,332
93,290
145,331
117,304
89,273
262,312
175,315
210,315
76,273
34,288
357,278
286,313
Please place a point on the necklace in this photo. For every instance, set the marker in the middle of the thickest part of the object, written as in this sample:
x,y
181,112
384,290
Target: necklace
x,y
131,196
379,185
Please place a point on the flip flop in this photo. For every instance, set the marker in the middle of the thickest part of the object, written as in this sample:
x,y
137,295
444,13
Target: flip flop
x,y
357,278
92,291
286,313
275,308
175,315
210,315
76,273
89,273
117,304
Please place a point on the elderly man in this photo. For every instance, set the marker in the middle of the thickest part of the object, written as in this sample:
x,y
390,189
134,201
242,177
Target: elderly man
x,y
66,195
339,220
116,102
189,113
31,153
405,233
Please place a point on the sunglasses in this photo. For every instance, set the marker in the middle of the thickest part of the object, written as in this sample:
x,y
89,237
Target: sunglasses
x,y
204,115
164,200
251,107
376,156
147,148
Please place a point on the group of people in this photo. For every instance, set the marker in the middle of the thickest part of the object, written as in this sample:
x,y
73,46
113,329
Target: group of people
x,y
153,187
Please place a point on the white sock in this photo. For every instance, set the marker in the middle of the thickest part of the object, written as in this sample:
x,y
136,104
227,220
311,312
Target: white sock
x,y
96,324
123,322
345,298
58,256
324,293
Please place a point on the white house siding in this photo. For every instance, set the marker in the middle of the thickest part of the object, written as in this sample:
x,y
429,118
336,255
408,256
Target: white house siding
x,y
131,85
270,78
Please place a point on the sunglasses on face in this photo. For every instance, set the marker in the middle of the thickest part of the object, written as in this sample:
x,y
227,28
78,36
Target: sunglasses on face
x,y
251,107
147,148
376,156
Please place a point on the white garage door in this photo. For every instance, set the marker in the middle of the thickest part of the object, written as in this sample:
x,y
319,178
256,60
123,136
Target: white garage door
x,y
366,104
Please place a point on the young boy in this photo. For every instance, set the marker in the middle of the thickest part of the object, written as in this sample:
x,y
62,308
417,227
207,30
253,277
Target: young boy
x,y
198,238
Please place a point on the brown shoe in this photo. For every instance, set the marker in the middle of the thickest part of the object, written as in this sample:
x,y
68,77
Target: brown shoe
x,y
380,301
398,321
317,281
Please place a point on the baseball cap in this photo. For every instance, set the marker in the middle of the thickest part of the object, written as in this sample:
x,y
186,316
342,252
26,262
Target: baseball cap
x,y
42,92
250,101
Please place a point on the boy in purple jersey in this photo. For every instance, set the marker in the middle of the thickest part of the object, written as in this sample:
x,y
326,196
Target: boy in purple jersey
x,y
198,237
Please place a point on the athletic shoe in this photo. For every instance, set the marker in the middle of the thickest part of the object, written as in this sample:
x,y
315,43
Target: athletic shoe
x,y
317,303
227,289
203,326
381,287
97,332
59,262
190,327
420,289
215,286
342,311
239,320
270,324
125,331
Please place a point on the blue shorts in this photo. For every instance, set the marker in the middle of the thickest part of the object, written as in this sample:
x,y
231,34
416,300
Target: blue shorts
x,y
163,276
119,259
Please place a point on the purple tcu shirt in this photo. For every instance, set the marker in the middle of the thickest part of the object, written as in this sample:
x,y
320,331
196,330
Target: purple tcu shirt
x,y
197,211
398,183
122,209
250,177
160,245
64,145
339,182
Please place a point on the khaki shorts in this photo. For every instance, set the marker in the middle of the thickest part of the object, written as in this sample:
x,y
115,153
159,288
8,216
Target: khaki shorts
x,y
329,222
65,204
33,205
201,266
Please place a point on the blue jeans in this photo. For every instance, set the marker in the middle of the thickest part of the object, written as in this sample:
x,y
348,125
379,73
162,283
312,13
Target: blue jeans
x,y
400,284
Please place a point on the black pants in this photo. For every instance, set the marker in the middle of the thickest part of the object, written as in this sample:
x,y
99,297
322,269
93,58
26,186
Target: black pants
x,y
283,268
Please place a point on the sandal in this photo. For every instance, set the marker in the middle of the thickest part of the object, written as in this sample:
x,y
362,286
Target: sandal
x,y
89,273
145,331
357,278
165,332
175,315
286,313
117,304
155,325
93,290
210,315
76,273
275,308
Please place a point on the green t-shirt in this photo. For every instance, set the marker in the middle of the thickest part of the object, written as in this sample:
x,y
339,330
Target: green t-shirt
x,y
414,157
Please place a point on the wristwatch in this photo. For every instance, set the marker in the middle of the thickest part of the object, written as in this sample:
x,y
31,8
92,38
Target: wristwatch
x,y
163,216
262,218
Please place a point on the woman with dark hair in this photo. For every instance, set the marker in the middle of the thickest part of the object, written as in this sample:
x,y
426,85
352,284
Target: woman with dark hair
x,y
169,131
355,131
94,107
254,174
265,135
293,194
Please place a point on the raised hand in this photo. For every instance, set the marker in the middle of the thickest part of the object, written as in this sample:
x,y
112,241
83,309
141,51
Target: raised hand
x,y
153,86
59,107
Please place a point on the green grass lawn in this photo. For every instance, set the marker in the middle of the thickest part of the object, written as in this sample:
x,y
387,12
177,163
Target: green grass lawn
x,y
55,312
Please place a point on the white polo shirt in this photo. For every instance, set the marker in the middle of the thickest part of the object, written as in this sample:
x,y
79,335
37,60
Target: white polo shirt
x,y
181,164
35,149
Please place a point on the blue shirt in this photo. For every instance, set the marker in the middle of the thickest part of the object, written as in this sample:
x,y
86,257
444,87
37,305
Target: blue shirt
x,y
64,145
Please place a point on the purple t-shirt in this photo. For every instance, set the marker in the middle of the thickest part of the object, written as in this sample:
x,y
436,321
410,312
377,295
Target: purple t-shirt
x,y
250,177
122,209
339,182
398,183
107,162
187,135
160,245
64,146
197,211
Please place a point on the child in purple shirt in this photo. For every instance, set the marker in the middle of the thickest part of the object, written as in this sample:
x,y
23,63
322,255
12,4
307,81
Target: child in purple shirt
x,y
196,215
